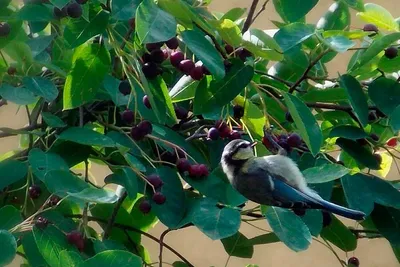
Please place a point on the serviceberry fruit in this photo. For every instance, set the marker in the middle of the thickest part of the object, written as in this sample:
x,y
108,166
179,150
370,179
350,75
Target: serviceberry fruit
x,y
374,137
150,47
41,222
229,49
60,13
136,133
186,66
168,156
238,111
353,262
5,29
145,206
128,116
74,10
146,57
391,52
146,127
176,58
197,73
181,113
294,140
146,102
125,87
235,135
150,70
157,56
183,165
34,191
76,238
213,133
159,198
203,170
11,70
53,201
155,180
172,43
370,28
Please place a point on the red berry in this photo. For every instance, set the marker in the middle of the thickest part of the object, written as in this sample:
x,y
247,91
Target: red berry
x,y
145,206
238,111
145,127
11,70
146,102
152,46
159,198
186,66
157,56
294,140
183,165
392,142
229,49
235,135
136,133
34,191
203,170
125,87
150,70
172,43
74,10
176,58
128,116
53,201
370,28
181,113
155,180
353,261
213,133
76,238
195,171
391,52
197,73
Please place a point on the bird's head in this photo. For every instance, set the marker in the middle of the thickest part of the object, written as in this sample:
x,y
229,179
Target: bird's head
x,y
238,150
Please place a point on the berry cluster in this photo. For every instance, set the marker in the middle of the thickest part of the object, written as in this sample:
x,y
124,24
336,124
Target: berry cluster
x,y
34,191
5,29
158,197
195,171
141,130
287,142
73,10
222,130
390,52
187,66
76,238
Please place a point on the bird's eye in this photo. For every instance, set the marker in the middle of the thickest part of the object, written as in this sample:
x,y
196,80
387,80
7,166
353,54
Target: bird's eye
x,y
244,145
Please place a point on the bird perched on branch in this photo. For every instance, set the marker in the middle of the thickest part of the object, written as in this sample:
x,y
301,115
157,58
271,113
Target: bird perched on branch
x,y
274,180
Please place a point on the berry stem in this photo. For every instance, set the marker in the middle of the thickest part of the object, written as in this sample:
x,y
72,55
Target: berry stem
x,y
162,236
111,222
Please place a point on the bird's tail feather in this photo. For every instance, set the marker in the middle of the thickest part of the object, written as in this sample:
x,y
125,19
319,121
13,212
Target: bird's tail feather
x,y
342,211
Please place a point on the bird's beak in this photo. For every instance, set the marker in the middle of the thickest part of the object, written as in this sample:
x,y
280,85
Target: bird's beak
x,y
253,144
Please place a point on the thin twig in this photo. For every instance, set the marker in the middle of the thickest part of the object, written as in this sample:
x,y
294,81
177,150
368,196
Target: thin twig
x,y
249,19
216,44
113,217
162,236
261,10
333,106
13,132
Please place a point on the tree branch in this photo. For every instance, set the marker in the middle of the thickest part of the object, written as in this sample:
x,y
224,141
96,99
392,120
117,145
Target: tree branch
x,y
162,245
261,10
111,221
249,18
6,132
333,106
216,44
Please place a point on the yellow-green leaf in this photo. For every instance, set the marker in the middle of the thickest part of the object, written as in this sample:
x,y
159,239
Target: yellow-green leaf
x,y
379,16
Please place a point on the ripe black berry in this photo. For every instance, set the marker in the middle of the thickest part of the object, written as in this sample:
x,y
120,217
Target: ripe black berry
x,y
41,222
235,135
244,53
146,102
284,144
145,127
159,198
353,262
229,49
157,56
238,111
378,158
146,57
288,117
391,52
370,28
294,140
34,191
183,165
76,238
172,43
181,113
213,133
150,70
81,2
5,29
128,116
53,201
326,219
186,66
374,137
176,58
145,206
11,70
152,46
74,10
125,87
155,180
197,73
136,133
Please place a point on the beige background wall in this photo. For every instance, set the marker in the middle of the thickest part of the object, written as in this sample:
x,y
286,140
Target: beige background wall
x,y
202,251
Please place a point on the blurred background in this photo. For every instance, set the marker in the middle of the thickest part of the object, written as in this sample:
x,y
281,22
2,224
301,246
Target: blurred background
x,y
202,251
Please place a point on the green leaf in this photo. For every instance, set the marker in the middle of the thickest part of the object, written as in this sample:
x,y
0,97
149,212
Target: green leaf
x,y
118,258
184,89
61,183
325,173
336,18
339,43
33,12
291,11
52,120
31,251
95,195
205,51
51,242
221,92
9,217
362,191
179,9
338,234
254,119
124,9
234,14
395,119
85,136
8,248
59,3
348,131
14,23
379,16
386,221
214,222
305,121
42,87
90,64
173,210
357,98
126,178
293,34
355,4
230,32
261,44
154,24
17,95
314,221
264,239
328,95
11,171
385,93
39,44
359,153
289,228
42,163
238,246
69,258
78,31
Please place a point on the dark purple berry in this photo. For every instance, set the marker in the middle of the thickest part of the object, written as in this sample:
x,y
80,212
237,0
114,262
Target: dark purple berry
x,y
74,10
176,58
229,49
288,117
145,206
186,66
284,144
370,28
5,29
213,133
197,73
125,87
198,171
159,198
203,169
150,70
34,191
136,133
353,262
146,57
157,56
238,111
76,238
53,201
172,43
391,52
145,127
152,46
235,135
181,113
128,116
155,180
374,137
294,140
183,165
41,222
326,219
244,53
146,102
81,2
378,158
60,13
11,70
168,156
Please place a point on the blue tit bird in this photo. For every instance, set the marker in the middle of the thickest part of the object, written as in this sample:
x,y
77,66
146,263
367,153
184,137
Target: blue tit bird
x,y
274,180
